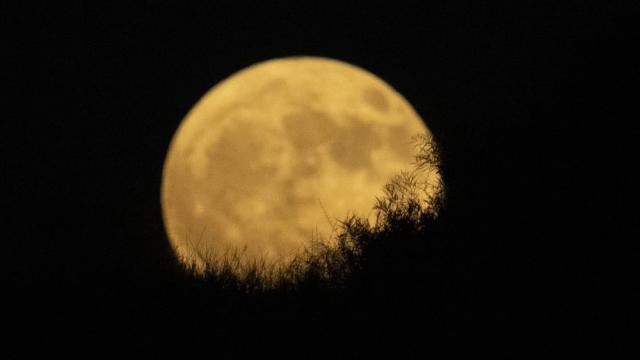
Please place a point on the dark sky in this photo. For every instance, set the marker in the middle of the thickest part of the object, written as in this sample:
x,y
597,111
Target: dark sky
x,y
523,100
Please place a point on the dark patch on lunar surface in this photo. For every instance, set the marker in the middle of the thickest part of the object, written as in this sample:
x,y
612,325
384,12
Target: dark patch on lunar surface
x,y
307,129
353,143
307,164
401,141
376,99
188,150
273,85
293,199
234,161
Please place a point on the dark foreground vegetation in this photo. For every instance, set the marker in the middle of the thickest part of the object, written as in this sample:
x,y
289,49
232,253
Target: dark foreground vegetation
x,y
363,288
533,250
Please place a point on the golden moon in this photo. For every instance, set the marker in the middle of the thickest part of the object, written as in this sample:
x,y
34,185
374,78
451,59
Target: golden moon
x,y
274,155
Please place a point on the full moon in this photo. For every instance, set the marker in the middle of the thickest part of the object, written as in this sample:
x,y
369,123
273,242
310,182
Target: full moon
x,y
271,158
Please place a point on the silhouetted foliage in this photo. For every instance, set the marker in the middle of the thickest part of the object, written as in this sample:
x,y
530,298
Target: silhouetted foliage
x,y
369,277
411,201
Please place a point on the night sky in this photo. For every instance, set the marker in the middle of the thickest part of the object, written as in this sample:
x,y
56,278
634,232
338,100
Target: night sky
x,y
526,103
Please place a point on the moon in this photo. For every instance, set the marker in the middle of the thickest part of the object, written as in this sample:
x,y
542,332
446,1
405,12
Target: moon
x,y
271,158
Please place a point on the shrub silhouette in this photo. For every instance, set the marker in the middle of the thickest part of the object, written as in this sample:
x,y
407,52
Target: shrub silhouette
x,y
359,251
361,289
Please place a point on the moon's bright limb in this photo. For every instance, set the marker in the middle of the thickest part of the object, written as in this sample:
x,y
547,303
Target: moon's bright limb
x,y
271,157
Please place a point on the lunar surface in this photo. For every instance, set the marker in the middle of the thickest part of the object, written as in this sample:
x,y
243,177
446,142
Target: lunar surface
x,y
273,156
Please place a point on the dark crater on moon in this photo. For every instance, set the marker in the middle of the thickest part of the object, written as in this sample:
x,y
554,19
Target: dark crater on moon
x,y
352,145
235,160
309,128
376,99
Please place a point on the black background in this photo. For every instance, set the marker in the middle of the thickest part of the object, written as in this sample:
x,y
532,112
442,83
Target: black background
x,y
527,103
